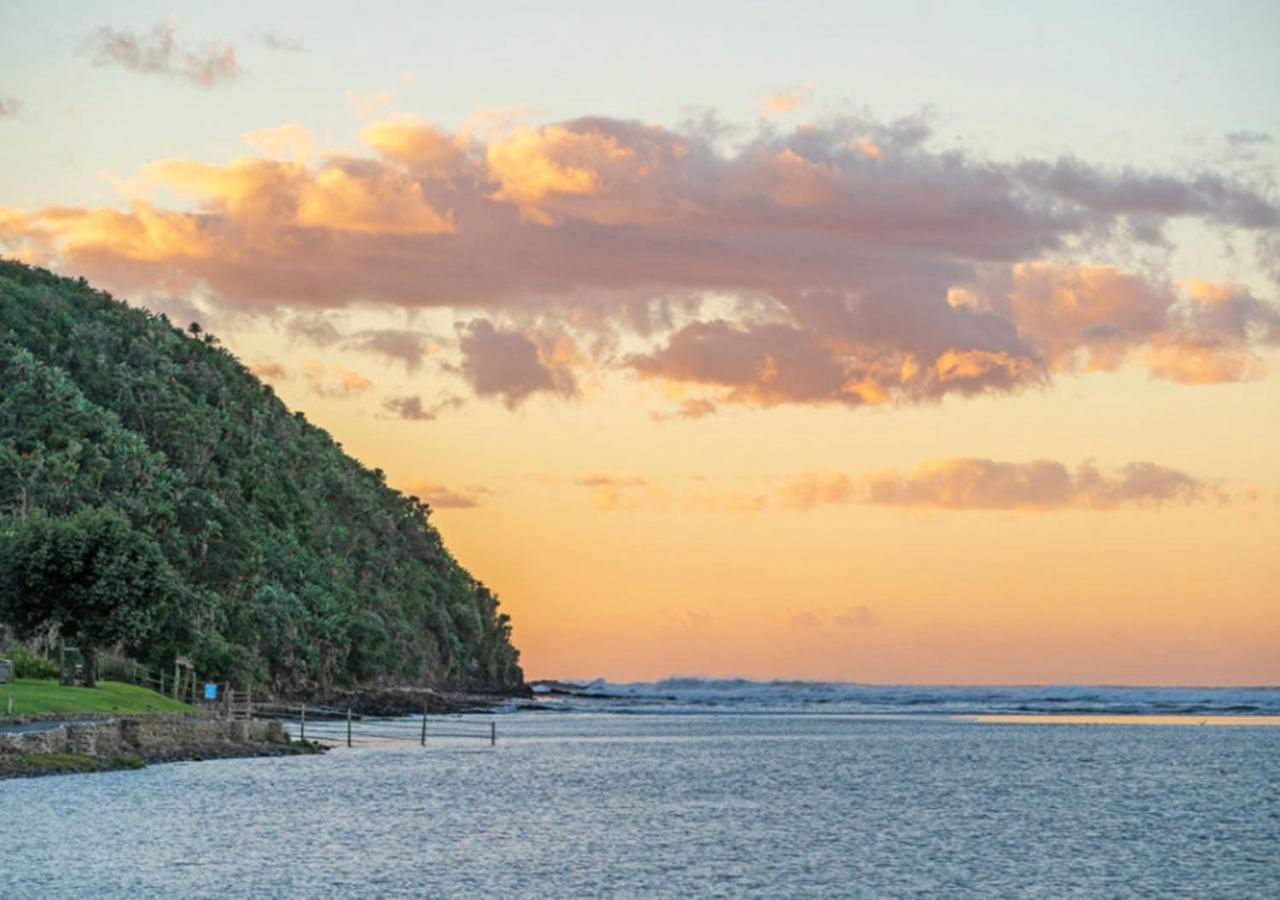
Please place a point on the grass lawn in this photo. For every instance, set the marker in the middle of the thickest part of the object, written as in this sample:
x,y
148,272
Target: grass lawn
x,y
33,697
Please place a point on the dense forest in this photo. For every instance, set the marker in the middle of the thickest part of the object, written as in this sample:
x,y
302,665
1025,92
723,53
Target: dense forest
x,y
270,554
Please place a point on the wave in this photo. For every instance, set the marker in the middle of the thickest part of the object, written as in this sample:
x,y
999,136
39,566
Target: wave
x,y
741,694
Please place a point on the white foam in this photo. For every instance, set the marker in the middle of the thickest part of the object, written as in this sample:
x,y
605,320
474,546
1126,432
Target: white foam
x,y
708,694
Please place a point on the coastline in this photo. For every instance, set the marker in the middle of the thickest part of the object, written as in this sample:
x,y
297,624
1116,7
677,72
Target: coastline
x,y
101,743
79,743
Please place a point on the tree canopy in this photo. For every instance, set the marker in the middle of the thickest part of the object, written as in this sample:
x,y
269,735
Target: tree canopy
x,y
90,574
294,565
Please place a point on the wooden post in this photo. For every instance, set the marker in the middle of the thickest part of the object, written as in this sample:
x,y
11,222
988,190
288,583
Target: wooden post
x,y
177,679
424,724
493,734
348,726
162,682
302,723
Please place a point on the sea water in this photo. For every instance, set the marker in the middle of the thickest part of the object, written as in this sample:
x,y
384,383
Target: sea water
x,y
654,795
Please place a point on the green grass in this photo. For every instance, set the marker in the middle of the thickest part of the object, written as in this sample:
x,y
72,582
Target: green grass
x,y
32,697
65,763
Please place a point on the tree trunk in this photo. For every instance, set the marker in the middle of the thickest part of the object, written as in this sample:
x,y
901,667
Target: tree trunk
x,y
90,656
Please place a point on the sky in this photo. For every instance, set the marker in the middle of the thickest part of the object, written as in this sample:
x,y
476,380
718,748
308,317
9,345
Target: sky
x,y
880,342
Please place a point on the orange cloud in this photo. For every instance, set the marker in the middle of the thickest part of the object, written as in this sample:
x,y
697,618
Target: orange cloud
x,y
143,233
289,141
268,370
787,100
441,497
411,140
853,282
816,489
1189,361
343,383
610,492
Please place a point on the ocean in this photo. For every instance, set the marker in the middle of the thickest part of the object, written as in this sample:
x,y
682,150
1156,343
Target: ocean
x,y
696,788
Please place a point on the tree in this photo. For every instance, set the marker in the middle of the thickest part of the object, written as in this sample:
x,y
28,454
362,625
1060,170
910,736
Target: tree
x,y
92,574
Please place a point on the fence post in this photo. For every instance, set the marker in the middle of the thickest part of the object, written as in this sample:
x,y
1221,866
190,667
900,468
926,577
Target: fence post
x,y
493,734
424,724
162,682
348,726
302,723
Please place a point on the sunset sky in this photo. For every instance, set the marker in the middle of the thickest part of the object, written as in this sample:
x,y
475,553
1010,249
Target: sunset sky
x,y
896,342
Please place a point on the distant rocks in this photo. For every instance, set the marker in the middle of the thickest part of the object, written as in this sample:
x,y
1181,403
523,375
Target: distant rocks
x,y
411,701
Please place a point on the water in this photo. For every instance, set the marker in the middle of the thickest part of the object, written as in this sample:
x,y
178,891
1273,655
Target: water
x,y
681,802
743,695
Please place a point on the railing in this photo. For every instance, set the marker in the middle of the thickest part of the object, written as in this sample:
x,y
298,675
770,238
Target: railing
x,y
332,725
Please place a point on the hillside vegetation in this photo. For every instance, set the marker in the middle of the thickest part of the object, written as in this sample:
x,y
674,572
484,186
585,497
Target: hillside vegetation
x,y
286,562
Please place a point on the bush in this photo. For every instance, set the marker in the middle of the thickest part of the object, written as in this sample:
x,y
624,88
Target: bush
x,y
29,665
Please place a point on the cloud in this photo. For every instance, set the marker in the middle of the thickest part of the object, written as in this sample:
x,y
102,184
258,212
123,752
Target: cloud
x,y
269,370
399,345
510,364
9,107
626,492
787,100
366,104
413,409
816,489
313,327
1037,485
288,141
808,619
441,497
691,409
335,381
273,41
1245,138
416,143
863,266
861,616
157,52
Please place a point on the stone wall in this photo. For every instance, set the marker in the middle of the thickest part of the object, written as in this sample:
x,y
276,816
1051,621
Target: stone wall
x,y
144,735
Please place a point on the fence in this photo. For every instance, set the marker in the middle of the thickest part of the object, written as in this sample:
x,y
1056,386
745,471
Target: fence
x,y
330,725
180,684
304,721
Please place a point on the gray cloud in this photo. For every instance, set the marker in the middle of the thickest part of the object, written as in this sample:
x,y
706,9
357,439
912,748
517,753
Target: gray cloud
x,y
413,409
408,347
158,52
1040,484
273,41
509,365
1247,138
313,327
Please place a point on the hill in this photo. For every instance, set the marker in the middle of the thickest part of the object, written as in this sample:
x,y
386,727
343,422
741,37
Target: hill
x,y
296,566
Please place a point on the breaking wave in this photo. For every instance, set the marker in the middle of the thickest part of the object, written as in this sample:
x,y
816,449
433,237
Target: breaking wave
x,y
744,695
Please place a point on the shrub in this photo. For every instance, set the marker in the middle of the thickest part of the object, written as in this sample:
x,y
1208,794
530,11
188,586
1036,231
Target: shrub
x,y
29,665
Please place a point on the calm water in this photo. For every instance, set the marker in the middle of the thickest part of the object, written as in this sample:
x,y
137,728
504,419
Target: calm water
x,y
677,803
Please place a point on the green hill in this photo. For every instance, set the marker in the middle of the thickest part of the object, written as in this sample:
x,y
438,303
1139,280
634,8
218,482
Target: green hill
x,y
296,566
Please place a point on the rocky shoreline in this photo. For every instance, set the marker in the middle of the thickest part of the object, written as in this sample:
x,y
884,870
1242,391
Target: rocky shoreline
x,y
32,746
45,746
411,701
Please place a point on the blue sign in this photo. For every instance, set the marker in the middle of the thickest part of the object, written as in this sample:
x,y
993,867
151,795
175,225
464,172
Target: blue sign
x,y
211,692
